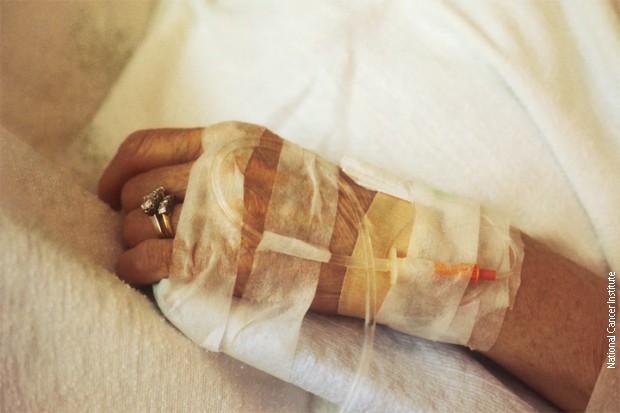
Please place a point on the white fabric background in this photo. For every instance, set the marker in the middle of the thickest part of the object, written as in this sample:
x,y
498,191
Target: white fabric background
x,y
514,104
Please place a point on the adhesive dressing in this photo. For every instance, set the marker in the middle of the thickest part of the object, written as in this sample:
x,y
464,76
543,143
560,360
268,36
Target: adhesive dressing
x,y
267,225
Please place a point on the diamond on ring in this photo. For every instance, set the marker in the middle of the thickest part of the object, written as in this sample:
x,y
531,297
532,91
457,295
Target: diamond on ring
x,y
151,202
166,204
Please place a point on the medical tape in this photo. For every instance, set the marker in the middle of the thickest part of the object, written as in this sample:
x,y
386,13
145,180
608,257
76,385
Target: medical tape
x,y
436,296
353,202
266,220
481,312
198,293
390,233
219,238
264,324
436,273
259,179
293,247
501,248
423,302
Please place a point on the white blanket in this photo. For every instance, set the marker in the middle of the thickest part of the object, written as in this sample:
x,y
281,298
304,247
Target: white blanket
x,y
514,104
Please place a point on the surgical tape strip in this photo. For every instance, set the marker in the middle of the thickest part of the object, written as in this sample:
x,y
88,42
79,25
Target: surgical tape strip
x,y
285,273
385,239
425,301
198,294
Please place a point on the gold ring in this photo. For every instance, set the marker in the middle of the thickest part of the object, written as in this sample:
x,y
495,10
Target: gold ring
x,y
163,225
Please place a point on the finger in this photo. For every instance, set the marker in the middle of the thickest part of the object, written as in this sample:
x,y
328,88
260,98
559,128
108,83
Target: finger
x,y
172,178
139,227
144,150
146,263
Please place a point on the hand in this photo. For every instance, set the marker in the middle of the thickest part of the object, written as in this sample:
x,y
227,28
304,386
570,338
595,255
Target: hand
x,y
164,157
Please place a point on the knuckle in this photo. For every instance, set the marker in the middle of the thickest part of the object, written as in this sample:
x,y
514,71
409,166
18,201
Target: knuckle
x,y
135,143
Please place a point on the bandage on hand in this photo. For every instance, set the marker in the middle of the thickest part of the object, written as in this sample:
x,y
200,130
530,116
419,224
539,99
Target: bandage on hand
x,y
150,158
259,177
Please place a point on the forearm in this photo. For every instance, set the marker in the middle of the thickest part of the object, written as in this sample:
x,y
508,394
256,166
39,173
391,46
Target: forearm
x,y
554,336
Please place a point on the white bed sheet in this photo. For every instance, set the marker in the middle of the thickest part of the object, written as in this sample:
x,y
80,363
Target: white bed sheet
x,y
513,104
